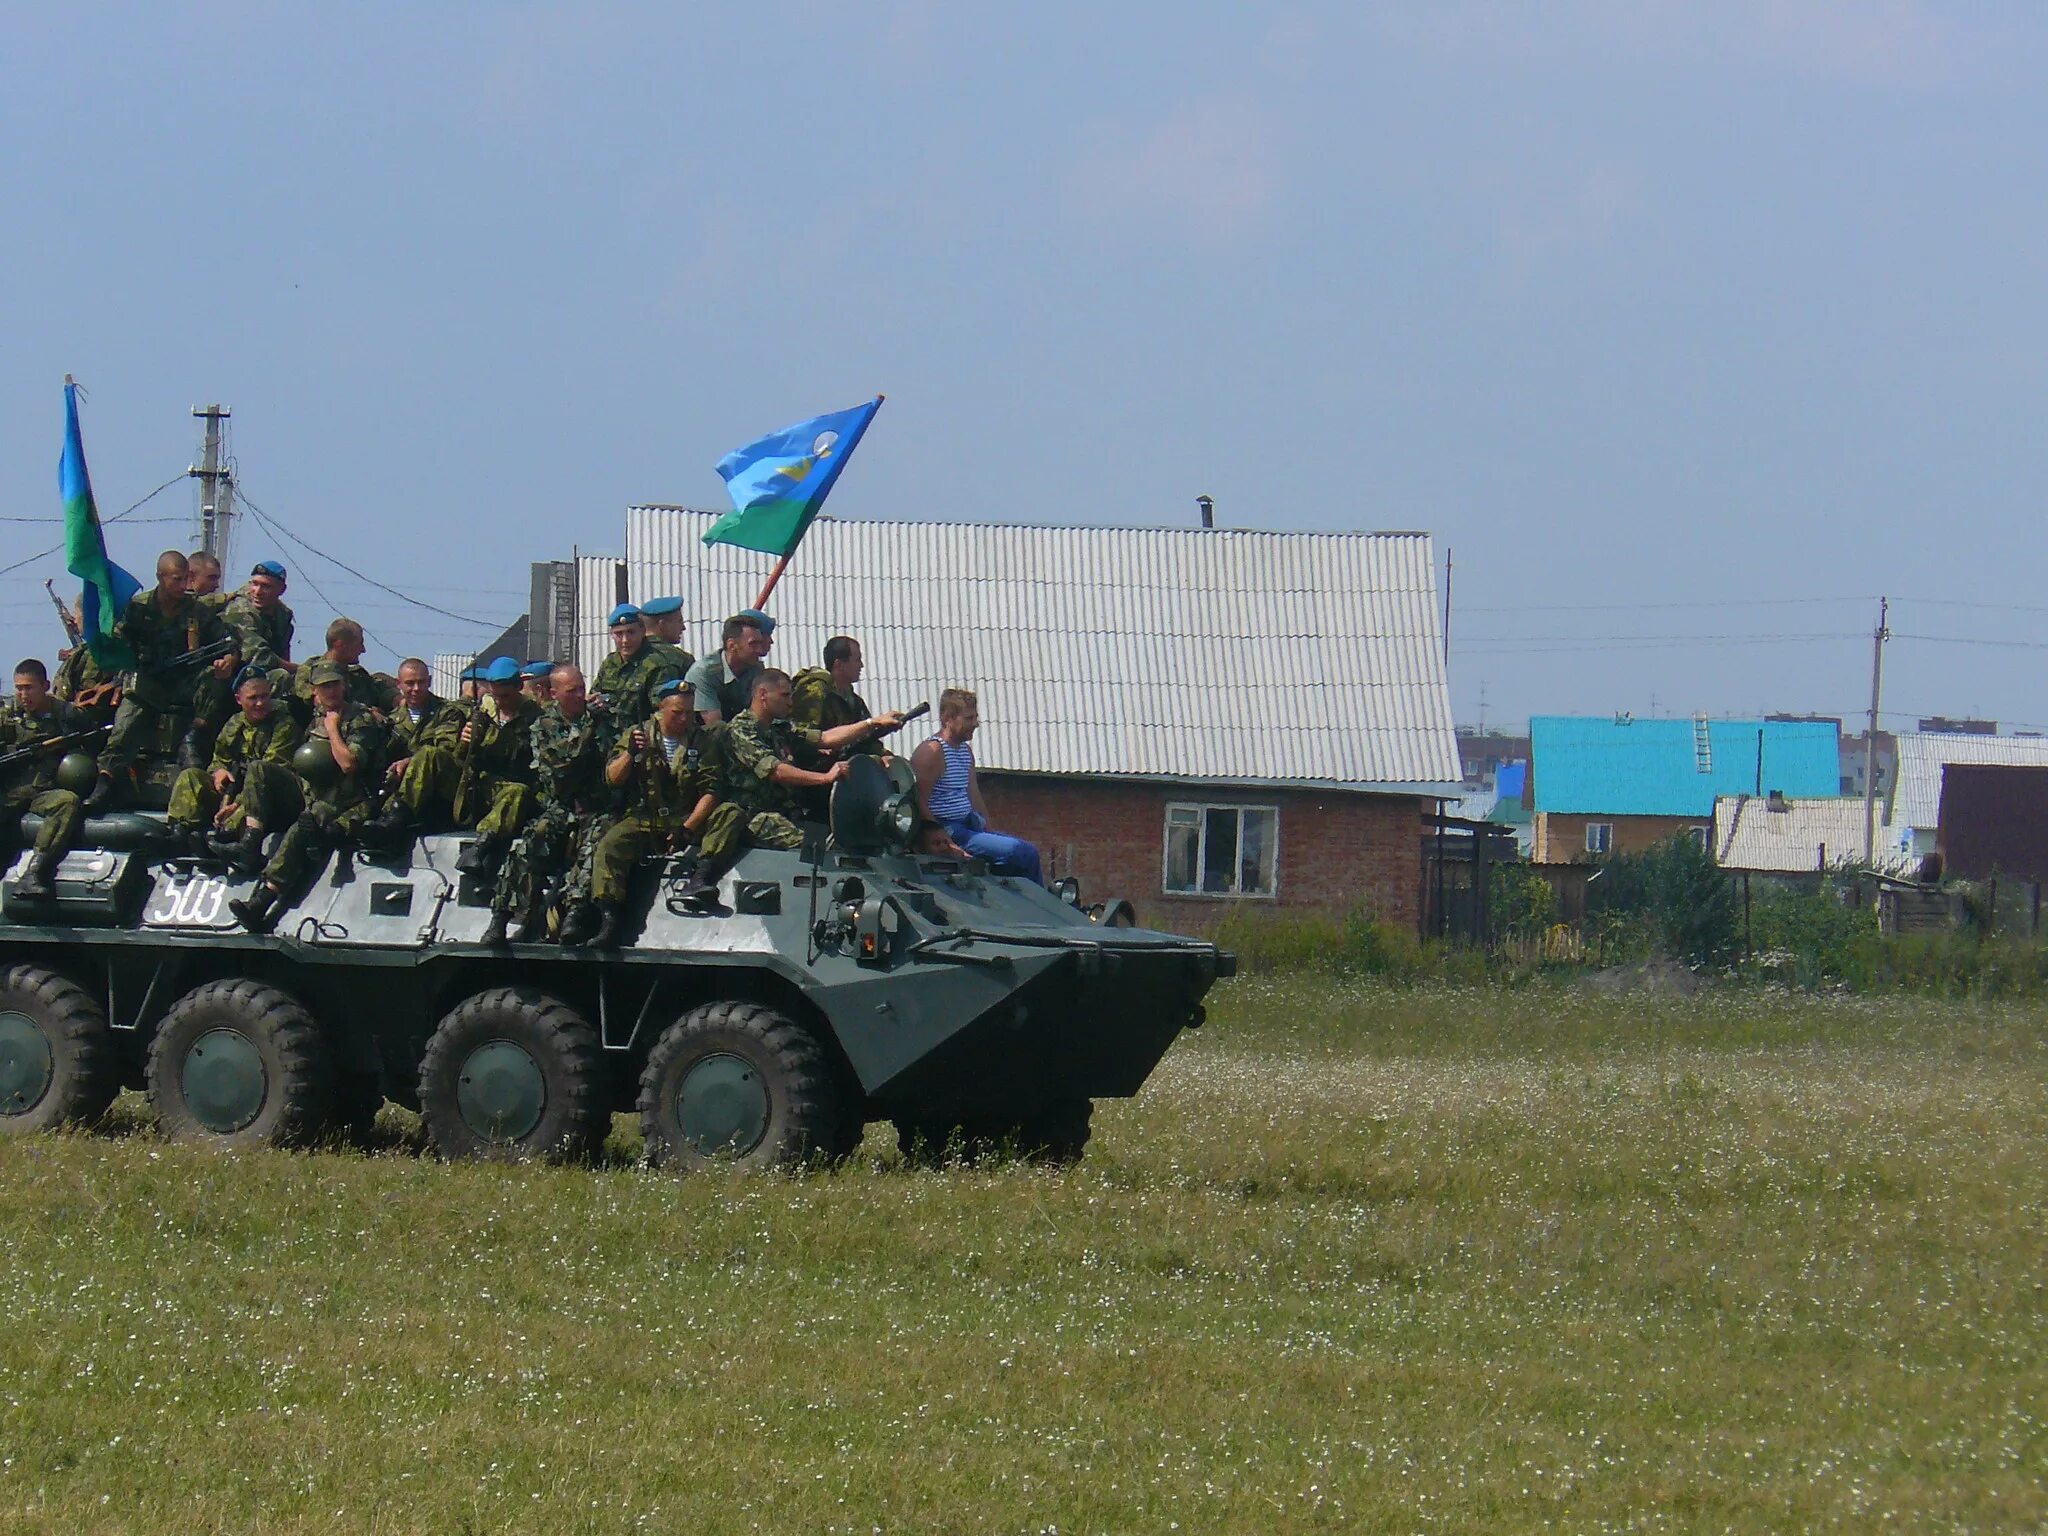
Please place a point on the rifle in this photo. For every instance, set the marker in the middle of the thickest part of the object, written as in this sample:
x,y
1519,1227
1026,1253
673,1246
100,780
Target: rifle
x,y
466,755
37,749
74,630
198,656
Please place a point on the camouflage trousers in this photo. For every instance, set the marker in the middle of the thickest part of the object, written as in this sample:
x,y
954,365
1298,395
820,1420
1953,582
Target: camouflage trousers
x,y
731,831
195,802
61,811
494,806
135,732
314,833
559,841
213,702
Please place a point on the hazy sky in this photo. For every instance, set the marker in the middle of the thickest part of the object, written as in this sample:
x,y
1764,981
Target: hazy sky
x,y
1670,321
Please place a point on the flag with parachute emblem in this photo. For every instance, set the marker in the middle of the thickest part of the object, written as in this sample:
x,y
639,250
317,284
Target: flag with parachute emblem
x,y
778,483
107,587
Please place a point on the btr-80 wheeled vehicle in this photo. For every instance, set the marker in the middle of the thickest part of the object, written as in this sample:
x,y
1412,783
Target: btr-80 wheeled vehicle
x,y
844,982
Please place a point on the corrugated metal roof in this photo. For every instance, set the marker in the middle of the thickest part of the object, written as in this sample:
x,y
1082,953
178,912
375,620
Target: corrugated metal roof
x,y
1916,798
1223,655
1627,767
448,667
1805,836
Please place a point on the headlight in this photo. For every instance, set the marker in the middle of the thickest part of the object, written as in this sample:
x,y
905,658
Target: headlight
x,y
1068,889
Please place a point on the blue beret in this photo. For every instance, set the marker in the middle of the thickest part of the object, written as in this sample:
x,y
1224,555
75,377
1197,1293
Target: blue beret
x,y
538,668
468,674
250,675
625,613
503,670
758,619
267,568
671,685
656,607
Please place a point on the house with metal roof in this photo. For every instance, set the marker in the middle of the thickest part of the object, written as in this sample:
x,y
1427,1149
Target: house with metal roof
x,y
1602,785
1778,835
1196,719
1914,823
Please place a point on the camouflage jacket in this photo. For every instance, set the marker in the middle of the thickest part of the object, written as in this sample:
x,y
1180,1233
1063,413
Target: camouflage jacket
x,y
824,708
568,760
266,638
159,639
503,744
79,672
363,736
26,779
626,684
673,656
439,724
270,740
751,751
667,791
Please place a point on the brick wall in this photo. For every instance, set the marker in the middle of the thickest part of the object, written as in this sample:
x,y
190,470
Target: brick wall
x,y
1336,851
1560,838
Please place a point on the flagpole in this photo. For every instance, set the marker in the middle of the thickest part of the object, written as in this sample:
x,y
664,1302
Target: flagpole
x,y
782,564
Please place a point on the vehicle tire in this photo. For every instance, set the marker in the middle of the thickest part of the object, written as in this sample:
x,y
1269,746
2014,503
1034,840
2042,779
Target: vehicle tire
x,y
58,1061
739,1083
1055,1134
240,1064
512,1074
357,1098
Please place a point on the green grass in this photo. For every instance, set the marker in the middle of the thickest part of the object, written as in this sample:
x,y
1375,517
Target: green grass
x,y
1358,1259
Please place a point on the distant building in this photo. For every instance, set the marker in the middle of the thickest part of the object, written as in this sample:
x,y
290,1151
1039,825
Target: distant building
x,y
1941,725
1779,835
1601,785
1913,827
1482,754
1994,821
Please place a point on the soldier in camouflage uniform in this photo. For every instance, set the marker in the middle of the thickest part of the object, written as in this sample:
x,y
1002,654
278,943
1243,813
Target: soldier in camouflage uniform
x,y
623,693
205,585
253,748
485,780
421,719
259,620
37,721
537,682
664,616
561,839
368,692
85,685
824,696
671,784
160,626
324,799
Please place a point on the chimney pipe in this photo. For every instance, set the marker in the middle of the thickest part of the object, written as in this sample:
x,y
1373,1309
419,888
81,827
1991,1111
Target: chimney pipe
x,y
1207,504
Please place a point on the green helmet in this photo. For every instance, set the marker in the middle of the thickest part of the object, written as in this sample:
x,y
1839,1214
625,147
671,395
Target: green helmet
x,y
314,762
77,772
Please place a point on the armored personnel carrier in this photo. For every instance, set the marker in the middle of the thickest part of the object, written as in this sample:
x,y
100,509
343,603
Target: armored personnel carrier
x,y
845,982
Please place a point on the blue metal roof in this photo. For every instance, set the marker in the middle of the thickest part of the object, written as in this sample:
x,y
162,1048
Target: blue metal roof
x,y
1594,765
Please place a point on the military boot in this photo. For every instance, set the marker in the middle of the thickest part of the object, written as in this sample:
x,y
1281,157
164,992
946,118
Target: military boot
x,y
192,751
479,856
391,824
34,884
246,851
607,935
579,925
104,793
494,931
533,922
258,911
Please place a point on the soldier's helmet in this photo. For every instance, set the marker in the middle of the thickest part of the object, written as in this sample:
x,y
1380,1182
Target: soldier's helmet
x,y
77,772
314,762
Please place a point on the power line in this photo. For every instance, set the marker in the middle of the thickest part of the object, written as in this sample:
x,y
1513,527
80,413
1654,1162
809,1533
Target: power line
x,y
44,554
281,531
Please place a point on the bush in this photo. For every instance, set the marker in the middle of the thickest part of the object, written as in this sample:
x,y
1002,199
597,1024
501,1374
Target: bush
x,y
1519,902
1672,899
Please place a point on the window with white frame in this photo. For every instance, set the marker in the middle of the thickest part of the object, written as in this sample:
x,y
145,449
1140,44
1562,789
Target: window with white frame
x,y
1599,837
1221,850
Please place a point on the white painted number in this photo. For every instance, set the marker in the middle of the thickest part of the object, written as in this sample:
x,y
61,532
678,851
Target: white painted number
x,y
189,903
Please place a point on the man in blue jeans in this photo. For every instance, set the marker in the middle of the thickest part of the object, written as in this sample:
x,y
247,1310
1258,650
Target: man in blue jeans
x,y
950,793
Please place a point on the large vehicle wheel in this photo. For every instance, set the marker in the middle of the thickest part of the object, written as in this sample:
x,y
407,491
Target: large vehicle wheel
x,y
1054,1134
58,1064
357,1098
739,1083
512,1074
239,1063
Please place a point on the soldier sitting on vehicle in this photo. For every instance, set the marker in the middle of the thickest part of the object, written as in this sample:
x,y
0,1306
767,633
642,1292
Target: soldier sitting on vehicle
x,y
724,682
163,627
537,682
262,624
86,685
623,692
664,616
560,842
366,691
949,790
485,780
325,797
38,730
205,585
255,746
422,719
824,697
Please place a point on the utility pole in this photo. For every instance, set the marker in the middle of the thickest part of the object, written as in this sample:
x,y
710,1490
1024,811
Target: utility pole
x,y
216,486
1870,738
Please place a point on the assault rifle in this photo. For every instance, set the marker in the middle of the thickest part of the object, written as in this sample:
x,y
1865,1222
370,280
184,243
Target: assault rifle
x,y
37,749
198,656
74,630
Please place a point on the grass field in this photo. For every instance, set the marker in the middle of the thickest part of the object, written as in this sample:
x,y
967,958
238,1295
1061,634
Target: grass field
x,y
1357,1259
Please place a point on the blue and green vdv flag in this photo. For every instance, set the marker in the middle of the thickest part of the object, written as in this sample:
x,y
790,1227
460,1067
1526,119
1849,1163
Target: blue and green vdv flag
x,y
779,482
107,587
